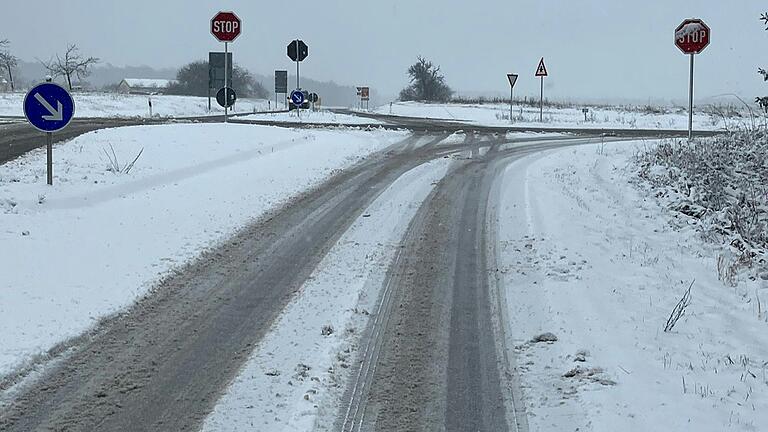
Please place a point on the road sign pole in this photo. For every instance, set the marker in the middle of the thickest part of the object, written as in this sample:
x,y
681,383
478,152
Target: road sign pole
x,y
690,102
541,101
49,108
511,93
49,146
298,56
226,83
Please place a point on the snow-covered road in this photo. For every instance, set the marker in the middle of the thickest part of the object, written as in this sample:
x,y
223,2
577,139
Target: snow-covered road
x,y
259,255
100,238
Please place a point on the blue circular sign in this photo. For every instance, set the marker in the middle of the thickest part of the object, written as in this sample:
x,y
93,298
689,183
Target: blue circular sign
x,y
49,107
297,97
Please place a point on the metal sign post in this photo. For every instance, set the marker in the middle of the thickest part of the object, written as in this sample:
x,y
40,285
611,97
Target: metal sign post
x,y
541,71
49,159
691,37
512,80
226,82
690,101
297,51
49,108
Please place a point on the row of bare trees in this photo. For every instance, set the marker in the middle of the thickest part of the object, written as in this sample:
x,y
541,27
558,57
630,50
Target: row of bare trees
x,y
71,64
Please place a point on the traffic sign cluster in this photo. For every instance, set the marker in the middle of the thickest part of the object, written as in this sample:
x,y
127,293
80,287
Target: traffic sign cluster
x,y
226,27
49,107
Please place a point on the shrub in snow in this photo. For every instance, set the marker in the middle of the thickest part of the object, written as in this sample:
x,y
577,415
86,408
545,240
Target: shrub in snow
x,y
722,182
113,163
544,337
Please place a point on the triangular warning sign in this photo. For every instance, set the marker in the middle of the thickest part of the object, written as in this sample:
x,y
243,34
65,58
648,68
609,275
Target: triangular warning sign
x,y
541,71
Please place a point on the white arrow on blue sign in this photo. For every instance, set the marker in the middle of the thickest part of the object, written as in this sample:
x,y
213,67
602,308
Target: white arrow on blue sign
x,y
49,107
297,97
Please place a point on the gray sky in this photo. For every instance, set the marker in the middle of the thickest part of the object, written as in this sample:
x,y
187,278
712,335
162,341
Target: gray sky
x,y
593,48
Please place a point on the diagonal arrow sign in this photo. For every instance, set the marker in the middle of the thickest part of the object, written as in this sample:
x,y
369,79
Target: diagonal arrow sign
x,y
56,114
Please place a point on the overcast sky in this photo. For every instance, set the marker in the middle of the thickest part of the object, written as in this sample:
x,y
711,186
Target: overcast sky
x,y
593,48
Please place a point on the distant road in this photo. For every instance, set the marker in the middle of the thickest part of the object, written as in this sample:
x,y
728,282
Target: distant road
x,y
440,124
17,137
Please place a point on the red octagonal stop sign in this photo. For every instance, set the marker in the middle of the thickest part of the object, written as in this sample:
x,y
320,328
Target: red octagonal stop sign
x,y
692,36
226,26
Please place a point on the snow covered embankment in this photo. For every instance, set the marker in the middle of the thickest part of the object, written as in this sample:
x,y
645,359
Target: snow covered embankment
x,y
597,263
100,238
720,185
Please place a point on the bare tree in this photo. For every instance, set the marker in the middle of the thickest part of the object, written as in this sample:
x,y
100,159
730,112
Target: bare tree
x,y
73,63
8,61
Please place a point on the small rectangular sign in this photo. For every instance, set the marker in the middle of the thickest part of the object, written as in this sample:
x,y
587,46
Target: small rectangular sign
x,y
281,81
216,70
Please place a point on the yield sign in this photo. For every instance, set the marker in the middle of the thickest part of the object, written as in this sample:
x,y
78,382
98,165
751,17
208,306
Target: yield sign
x,y
512,79
541,71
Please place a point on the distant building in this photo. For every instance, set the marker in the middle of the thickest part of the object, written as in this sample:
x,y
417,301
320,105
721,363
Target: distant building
x,y
144,86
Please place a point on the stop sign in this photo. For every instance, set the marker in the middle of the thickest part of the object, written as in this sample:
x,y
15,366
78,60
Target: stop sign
x,y
692,36
226,26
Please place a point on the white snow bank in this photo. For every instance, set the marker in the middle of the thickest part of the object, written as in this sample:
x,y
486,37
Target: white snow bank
x,y
129,105
592,260
97,240
322,116
526,116
294,379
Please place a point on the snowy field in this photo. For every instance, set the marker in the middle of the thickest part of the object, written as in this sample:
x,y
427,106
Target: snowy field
x,y
309,117
100,238
526,116
595,260
125,105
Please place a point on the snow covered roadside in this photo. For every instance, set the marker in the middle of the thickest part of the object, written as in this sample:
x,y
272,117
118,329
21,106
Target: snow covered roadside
x,y
99,239
591,259
295,378
321,116
526,116
130,105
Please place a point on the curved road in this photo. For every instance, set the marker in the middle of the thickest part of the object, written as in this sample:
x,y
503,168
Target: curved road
x,y
434,355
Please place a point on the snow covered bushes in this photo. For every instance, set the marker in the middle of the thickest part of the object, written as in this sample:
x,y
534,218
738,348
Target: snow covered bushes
x,y
720,181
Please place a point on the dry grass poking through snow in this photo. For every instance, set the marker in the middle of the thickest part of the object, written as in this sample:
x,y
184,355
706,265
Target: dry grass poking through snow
x,y
721,183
